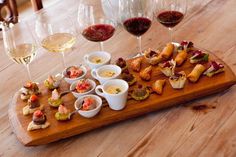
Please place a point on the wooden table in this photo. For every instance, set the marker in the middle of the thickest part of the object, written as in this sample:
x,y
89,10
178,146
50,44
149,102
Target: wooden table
x,y
178,131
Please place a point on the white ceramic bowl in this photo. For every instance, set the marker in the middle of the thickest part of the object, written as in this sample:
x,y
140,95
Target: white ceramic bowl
x,y
105,55
90,113
95,73
71,80
76,94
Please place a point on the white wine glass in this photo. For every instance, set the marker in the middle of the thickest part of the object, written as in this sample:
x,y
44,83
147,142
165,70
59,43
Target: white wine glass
x,y
56,35
20,44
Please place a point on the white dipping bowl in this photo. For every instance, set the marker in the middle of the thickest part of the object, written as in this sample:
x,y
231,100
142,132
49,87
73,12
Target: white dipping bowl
x,y
76,94
90,113
96,73
71,80
105,55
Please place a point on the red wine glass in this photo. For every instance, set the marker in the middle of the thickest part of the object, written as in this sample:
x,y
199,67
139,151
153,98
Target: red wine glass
x,y
170,13
136,17
93,24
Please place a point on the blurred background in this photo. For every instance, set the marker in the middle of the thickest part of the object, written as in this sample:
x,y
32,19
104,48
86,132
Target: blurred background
x,y
25,6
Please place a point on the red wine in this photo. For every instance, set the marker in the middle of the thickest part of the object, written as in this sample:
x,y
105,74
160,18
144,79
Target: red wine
x,y
138,25
98,32
170,18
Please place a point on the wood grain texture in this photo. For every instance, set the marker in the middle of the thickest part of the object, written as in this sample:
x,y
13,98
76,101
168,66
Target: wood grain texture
x,y
170,97
174,132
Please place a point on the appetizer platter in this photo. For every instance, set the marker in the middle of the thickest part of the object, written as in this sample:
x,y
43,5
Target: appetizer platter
x,y
80,100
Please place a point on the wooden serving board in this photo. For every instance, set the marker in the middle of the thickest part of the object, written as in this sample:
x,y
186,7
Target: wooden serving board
x,y
60,130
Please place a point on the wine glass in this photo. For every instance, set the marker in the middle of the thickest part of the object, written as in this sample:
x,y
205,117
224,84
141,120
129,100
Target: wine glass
x,y
93,24
170,13
20,44
56,35
136,17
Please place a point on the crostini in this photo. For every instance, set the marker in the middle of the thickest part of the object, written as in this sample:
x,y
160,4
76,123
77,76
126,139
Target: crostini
x,y
28,89
39,121
33,104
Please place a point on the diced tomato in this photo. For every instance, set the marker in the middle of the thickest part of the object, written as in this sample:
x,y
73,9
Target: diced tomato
x,y
87,103
38,113
74,72
33,97
83,85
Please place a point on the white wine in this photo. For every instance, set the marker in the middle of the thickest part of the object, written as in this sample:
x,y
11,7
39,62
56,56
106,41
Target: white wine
x,y
23,53
58,42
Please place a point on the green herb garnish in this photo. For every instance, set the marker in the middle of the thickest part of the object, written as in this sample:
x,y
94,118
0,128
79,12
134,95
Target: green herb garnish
x,y
98,61
118,90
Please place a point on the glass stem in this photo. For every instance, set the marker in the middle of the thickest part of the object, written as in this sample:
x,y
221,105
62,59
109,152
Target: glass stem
x,y
139,45
171,34
101,46
28,72
63,59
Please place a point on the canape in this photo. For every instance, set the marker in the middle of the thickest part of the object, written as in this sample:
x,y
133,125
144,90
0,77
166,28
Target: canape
x,y
152,57
33,104
135,64
214,68
181,55
199,56
55,99
145,74
121,63
168,67
82,87
63,113
88,105
158,86
39,121
196,73
168,50
178,80
53,82
140,93
28,89
74,73
128,77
